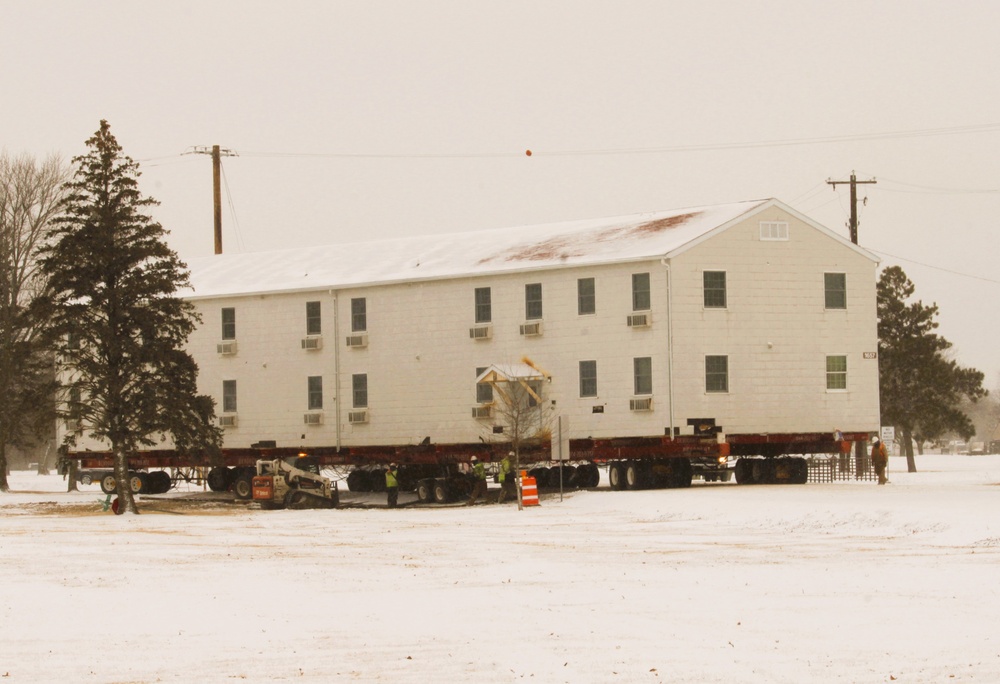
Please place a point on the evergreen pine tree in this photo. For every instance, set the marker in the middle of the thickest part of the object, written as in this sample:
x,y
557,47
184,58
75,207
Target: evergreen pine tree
x,y
920,390
121,327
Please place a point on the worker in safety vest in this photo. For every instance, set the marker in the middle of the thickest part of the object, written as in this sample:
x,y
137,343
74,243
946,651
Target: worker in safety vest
x,y
479,481
392,484
506,478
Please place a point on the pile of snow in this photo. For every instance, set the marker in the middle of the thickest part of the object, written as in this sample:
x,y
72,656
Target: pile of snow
x,y
847,582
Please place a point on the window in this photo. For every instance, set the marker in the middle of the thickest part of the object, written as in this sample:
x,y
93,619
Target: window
x,y
773,230
586,300
315,392
359,386
643,375
229,396
314,322
484,305
836,290
716,373
715,289
228,323
359,315
588,378
640,292
533,301
836,372
484,390
536,387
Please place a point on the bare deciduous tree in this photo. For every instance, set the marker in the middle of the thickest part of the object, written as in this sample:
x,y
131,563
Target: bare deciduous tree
x,y
31,194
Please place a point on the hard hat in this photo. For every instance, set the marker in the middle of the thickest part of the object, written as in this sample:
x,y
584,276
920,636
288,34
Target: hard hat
x,y
510,453
474,458
874,440
392,465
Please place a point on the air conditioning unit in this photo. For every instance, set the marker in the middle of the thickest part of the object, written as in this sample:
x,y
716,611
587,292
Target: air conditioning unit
x,y
312,343
227,421
528,329
357,341
482,411
643,404
355,417
639,320
72,424
481,332
312,418
226,347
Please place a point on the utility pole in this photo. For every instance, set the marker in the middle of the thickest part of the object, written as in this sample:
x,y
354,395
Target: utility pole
x,y
854,183
859,447
217,154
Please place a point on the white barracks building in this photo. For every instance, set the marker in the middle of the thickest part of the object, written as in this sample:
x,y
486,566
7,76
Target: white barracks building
x,y
750,314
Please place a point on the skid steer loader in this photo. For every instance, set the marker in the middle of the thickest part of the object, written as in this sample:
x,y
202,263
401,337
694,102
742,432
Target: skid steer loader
x,y
279,484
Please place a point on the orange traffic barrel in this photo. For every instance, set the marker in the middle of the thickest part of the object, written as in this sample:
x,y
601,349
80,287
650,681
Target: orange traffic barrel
x,y
529,491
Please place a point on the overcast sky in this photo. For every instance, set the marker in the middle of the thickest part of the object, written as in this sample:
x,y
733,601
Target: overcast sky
x,y
374,119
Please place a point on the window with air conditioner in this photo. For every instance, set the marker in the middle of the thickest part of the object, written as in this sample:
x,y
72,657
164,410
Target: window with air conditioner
x,y
481,332
533,301
356,417
641,299
484,305
482,411
226,348
641,404
484,390
315,418
359,314
359,390
530,329
227,421
314,392
642,375
229,396
359,341
228,323
639,320
314,319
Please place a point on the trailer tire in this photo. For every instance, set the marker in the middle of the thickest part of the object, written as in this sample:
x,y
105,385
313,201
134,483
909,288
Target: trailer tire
x,y
357,481
139,483
634,476
159,482
425,491
441,493
218,479
109,484
616,476
86,479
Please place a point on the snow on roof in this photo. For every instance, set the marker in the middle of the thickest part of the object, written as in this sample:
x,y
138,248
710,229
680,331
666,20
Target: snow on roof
x,y
576,243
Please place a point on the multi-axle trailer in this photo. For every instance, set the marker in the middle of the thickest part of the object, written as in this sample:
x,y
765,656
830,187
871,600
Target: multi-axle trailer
x,y
437,471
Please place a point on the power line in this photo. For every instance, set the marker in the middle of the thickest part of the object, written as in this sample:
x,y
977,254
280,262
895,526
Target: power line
x,y
936,268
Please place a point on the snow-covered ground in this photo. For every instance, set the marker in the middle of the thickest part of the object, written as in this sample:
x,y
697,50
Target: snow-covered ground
x,y
846,582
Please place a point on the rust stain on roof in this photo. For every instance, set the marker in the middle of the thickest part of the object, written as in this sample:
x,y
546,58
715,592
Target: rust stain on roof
x,y
567,246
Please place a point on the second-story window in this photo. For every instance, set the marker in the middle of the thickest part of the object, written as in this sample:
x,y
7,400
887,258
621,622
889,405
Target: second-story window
x,y
229,323
640,292
359,314
835,285
533,301
484,305
715,289
586,298
314,321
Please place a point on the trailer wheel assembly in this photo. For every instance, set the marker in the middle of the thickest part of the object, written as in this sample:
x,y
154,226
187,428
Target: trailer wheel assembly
x,y
441,492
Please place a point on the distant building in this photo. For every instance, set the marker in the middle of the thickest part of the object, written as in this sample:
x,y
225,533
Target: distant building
x,y
750,314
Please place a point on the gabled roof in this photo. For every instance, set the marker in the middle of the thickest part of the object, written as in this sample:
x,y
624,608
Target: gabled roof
x,y
506,250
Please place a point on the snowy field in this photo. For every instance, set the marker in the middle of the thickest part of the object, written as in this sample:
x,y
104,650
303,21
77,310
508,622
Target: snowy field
x,y
846,582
